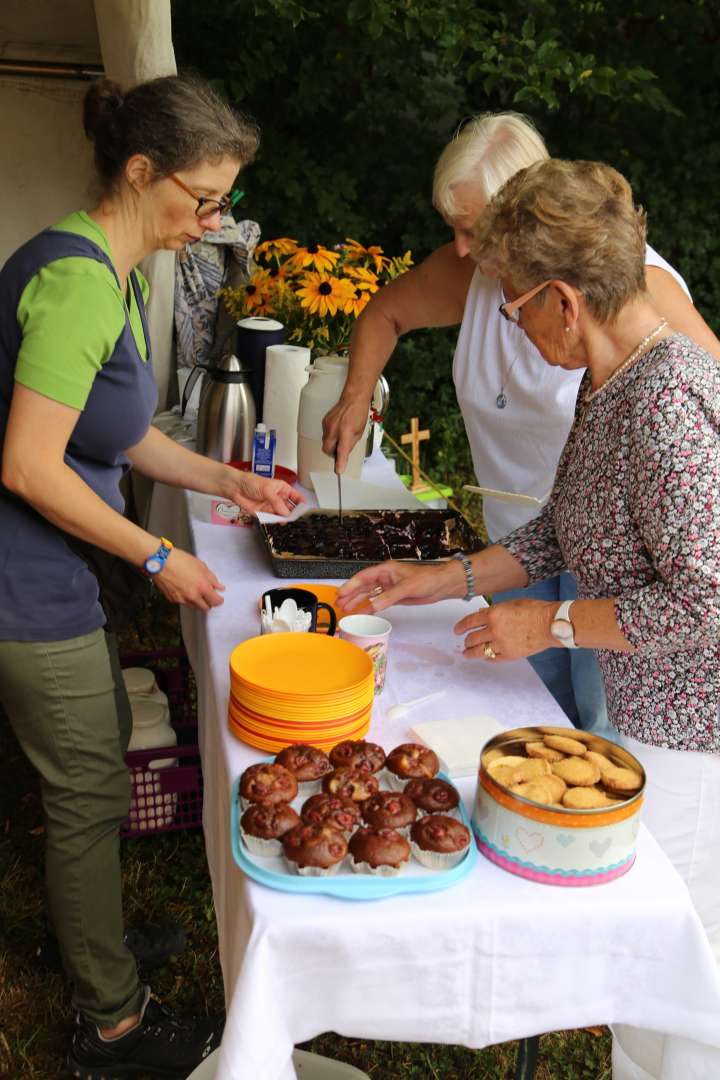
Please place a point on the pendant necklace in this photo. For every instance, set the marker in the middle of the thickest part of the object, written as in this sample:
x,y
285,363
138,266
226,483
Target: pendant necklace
x,y
501,400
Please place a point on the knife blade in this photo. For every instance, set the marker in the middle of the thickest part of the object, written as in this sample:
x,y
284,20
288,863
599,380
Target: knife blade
x,y
339,487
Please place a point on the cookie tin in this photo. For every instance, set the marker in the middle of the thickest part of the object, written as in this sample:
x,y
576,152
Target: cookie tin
x,y
554,845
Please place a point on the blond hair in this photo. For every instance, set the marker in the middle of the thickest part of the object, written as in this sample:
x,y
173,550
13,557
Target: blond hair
x,y
486,150
572,221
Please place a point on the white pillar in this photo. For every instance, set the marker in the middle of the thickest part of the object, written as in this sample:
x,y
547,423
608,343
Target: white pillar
x,y
136,44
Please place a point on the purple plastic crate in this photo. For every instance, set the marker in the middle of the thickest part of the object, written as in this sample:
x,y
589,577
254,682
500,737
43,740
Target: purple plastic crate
x,y
168,798
164,799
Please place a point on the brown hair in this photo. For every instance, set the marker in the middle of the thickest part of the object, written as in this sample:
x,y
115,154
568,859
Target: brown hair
x,y
573,221
177,121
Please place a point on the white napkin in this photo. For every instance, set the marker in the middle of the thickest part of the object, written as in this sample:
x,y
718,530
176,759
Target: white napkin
x,y
457,741
361,495
288,618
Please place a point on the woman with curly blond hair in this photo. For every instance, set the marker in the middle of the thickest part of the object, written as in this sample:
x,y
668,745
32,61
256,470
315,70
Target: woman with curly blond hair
x,y
634,514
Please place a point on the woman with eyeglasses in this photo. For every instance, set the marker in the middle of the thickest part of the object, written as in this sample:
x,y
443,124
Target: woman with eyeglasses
x,y
634,514
517,411
77,395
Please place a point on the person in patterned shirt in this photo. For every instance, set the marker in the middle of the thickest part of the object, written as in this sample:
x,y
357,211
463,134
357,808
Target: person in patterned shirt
x,y
634,514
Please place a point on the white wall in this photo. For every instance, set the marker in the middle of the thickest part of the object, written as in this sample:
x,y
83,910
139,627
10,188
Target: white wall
x,y
46,165
45,160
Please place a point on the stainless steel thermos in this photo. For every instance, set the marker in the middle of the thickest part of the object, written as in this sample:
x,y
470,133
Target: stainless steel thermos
x,y
226,415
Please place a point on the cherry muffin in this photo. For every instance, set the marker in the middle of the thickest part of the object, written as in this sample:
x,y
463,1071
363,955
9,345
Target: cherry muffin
x,y
314,850
351,784
433,796
358,754
378,851
308,765
344,814
410,761
439,842
389,810
261,827
267,783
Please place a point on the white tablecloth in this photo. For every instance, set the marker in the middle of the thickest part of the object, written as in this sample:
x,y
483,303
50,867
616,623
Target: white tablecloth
x,y
493,958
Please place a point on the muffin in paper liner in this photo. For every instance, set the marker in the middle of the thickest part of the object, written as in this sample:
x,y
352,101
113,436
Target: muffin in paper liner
x,y
378,871
258,846
438,860
313,871
454,813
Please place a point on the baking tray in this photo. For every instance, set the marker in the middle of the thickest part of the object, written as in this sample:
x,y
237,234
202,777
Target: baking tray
x,y
346,884
458,534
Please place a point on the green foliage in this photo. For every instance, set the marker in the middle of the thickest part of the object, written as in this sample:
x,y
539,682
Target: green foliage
x,y
356,101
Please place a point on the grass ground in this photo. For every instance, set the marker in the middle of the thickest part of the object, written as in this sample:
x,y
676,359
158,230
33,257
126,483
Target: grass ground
x,y
165,877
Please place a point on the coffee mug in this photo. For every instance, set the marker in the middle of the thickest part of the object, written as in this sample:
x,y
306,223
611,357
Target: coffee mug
x,y
371,633
306,601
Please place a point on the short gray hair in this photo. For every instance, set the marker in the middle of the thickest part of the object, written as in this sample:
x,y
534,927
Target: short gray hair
x,y
571,221
487,150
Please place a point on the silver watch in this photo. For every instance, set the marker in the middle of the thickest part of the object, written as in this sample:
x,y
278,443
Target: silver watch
x,y
561,628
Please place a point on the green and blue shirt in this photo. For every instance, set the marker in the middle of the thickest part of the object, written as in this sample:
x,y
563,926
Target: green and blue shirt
x,y
70,333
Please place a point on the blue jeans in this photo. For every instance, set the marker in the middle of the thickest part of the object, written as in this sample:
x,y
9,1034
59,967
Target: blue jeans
x,y
571,675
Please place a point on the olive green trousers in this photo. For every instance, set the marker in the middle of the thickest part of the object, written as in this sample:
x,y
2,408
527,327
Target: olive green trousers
x,y
67,704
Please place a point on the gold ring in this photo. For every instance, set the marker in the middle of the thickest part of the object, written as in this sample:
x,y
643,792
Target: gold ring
x,y
488,652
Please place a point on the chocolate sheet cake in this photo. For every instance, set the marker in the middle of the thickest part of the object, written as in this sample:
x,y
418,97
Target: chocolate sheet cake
x,y
364,538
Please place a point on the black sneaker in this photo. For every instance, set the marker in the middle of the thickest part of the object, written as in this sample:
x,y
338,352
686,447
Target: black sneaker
x,y
161,1045
151,944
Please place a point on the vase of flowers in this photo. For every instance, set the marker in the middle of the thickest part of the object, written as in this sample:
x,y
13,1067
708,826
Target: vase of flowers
x,y
315,291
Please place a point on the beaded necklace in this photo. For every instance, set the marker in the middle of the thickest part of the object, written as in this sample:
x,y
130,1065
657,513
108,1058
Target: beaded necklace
x,y
634,355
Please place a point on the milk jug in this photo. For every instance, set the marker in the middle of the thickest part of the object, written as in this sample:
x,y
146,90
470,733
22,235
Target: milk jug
x,y
322,390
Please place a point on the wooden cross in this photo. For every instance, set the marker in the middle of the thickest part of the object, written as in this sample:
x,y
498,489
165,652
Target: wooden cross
x,y
415,437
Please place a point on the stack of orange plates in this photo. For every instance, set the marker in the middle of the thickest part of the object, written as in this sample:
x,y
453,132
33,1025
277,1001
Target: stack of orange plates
x,y
290,688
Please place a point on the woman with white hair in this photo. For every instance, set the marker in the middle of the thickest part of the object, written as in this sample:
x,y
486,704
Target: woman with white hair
x,y
517,410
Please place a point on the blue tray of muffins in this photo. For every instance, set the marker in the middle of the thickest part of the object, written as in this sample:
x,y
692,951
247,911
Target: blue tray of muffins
x,y
345,883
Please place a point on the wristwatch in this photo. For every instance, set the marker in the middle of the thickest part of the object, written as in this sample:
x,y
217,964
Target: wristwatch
x,y
561,628
155,562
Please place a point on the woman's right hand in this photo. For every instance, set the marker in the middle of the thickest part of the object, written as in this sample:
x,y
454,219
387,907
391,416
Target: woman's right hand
x,y
343,426
187,580
403,583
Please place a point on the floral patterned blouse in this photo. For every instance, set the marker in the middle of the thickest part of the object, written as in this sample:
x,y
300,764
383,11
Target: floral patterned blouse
x,y
635,514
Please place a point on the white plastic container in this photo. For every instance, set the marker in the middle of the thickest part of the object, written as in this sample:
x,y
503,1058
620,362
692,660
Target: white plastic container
x,y
140,682
151,728
322,390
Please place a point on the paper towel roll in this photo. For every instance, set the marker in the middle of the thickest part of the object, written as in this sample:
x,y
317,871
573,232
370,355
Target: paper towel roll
x,y
285,376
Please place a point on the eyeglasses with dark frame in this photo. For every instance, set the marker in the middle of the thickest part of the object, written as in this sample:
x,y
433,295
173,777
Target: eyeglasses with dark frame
x,y
510,309
207,207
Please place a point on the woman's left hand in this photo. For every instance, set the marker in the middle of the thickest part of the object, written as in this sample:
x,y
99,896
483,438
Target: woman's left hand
x,y
509,630
254,493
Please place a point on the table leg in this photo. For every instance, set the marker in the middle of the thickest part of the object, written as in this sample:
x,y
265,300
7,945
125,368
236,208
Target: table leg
x,y
526,1060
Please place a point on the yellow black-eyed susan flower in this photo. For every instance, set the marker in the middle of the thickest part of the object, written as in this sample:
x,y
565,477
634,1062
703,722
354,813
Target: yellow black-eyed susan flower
x,y
314,255
269,249
323,294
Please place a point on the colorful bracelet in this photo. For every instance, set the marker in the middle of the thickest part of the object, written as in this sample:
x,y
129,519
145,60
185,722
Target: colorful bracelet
x,y
469,576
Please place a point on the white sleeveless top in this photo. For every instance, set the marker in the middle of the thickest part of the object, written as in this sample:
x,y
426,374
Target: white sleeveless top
x,y
516,448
